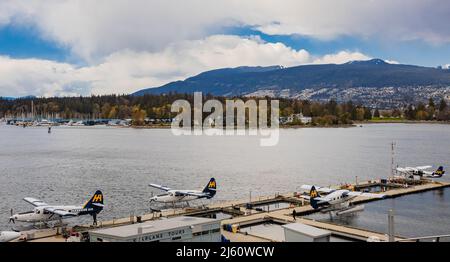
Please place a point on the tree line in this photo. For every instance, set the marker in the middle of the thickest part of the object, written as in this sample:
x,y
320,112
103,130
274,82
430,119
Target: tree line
x,y
140,108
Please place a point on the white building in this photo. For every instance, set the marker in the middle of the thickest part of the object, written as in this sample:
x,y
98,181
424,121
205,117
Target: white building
x,y
300,117
297,232
177,229
303,119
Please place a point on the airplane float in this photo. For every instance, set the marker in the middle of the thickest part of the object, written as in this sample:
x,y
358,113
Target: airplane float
x,y
6,236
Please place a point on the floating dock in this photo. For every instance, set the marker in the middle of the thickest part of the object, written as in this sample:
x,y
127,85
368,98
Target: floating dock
x,y
244,213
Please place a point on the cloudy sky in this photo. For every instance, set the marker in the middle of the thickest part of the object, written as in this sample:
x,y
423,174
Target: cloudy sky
x,y
83,47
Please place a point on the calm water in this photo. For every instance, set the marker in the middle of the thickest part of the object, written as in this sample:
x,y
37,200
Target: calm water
x,y
67,166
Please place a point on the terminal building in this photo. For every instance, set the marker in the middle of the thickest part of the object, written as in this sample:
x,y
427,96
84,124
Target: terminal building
x,y
177,229
297,232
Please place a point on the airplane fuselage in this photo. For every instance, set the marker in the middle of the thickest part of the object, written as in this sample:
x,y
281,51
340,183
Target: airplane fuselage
x,y
416,172
338,200
39,214
421,173
172,196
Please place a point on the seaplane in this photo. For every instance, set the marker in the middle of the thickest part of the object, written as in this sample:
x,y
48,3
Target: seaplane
x,y
336,200
175,196
421,171
45,213
6,236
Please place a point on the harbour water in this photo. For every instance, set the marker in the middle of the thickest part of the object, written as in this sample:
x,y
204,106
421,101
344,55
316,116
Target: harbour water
x,y
68,165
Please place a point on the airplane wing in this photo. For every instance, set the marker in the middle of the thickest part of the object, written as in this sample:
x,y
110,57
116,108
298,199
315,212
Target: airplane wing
x,y
320,200
320,189
356,193
60,212
35,202
164,188
423,167
187,193
404,169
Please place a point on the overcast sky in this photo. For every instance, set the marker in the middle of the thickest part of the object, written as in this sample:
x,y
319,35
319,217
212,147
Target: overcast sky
x,y
83,47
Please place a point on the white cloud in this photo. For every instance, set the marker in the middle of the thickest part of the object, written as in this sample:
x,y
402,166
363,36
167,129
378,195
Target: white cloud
x,y
95,29
341,57
127,70
20,77
129,45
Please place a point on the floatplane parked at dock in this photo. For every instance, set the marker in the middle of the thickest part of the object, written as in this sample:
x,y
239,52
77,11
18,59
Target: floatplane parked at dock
x,y
176,196
45,213
336,200
421,171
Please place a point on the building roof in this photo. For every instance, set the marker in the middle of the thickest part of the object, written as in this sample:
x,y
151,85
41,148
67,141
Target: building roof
x,y
307,230
154,226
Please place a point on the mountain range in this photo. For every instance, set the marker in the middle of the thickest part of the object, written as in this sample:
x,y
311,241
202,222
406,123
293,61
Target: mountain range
x,y
373,82
10,98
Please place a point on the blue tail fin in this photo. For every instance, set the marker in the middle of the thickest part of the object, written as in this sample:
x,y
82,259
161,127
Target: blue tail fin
x,y
96,202
210,188
312,197
439,172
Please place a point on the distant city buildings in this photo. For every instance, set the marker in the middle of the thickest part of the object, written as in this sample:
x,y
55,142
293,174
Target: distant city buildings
x,y
373,97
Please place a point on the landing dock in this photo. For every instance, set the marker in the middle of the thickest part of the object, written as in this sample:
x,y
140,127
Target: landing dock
x,y
245,213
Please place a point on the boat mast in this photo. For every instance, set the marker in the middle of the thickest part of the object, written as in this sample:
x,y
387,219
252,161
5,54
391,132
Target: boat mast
x,y
392,158
32,111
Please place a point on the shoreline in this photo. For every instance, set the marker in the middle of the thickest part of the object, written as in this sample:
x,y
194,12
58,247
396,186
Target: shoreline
x,y
281,126
433,122
355,124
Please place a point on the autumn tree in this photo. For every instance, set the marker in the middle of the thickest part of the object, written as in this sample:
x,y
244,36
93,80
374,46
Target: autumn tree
x,y
106,109
138,116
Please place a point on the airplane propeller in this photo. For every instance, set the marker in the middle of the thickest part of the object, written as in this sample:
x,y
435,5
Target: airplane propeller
x,y
151,198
